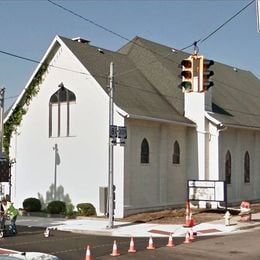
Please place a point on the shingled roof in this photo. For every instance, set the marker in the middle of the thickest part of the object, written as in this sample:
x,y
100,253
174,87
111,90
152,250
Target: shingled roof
x,y
134,93
146,77
235,94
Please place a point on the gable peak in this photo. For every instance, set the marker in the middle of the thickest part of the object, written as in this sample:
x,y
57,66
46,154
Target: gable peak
x,y
81,40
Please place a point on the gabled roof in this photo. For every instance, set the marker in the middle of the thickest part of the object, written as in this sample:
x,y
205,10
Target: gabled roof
x,y
133,93
235,94
236,97
147,79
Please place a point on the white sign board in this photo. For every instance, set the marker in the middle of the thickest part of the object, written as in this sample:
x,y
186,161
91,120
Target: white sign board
x,y
206,190
258,14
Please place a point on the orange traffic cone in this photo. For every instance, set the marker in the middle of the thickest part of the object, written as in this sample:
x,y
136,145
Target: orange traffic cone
x,y
191,234
191,221
187,219
115,251
187,239
88,254
132,246
170,241
150,244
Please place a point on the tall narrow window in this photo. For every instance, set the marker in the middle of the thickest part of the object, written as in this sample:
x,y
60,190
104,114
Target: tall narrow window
x,y
228,168
176,153
61,106
144,151
247,168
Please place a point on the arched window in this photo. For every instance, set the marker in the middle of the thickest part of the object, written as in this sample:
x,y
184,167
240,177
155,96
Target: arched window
x,y
61,108
144,151
247,168
176,153
228,167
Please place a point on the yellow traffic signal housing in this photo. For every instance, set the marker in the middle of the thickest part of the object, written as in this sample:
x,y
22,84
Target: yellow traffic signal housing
x,y
204,74
187,74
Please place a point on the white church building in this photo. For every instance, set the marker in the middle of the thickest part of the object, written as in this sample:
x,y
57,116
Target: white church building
x,y
60,145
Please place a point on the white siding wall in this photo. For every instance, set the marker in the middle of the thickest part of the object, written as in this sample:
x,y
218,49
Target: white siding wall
x,y
83,156
160,183
238,141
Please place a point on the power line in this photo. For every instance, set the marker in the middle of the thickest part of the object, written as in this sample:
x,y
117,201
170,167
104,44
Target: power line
x,y
12,97
48,65
108,30
88,20
105,76
126,85
230,19
116,34
128,40
122,37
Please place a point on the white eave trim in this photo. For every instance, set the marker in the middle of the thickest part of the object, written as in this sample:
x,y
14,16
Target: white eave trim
x,y
221,125
121,112
243,127
212,119
159,120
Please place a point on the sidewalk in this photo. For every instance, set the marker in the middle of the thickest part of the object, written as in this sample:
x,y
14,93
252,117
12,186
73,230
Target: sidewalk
x,y
125,229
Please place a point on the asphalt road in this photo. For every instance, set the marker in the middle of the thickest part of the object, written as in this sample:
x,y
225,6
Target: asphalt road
x,y
68,246
72,246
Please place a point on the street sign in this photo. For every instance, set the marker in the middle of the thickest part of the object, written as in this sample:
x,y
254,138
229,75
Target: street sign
x,y
112,131
201,190
122,134
117,132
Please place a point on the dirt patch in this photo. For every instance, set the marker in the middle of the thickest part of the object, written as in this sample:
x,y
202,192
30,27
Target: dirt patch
x,y
177,216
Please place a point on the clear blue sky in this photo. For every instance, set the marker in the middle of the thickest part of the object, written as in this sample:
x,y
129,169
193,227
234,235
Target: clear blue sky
x,y
28,27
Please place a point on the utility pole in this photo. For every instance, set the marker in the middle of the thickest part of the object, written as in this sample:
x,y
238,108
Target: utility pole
x,y
111,150
2,93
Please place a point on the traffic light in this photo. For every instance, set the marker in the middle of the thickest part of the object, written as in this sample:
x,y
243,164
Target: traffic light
x,y
204,74
187,74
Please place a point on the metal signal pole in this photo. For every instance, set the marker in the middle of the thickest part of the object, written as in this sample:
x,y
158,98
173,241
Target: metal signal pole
x,y
2,93
111,150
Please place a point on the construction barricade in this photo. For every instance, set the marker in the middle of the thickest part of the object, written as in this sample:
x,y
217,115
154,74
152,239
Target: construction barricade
x,y
245,211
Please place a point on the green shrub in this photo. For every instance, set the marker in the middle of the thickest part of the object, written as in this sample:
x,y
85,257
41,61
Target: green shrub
x,y
32,205
70,213
86,209
56,207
